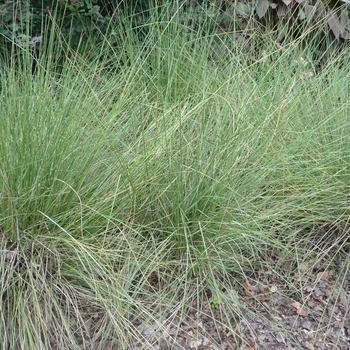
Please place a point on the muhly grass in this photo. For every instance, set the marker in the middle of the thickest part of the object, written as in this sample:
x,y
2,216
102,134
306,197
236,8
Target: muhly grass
x,y
178,165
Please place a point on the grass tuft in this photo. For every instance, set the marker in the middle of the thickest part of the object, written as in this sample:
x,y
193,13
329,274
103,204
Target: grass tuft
x,y
161,174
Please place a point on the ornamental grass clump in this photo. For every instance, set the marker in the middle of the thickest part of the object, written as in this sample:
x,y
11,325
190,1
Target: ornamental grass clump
x,y
136,183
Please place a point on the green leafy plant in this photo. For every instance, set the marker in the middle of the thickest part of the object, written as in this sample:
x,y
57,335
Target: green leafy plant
x,y
308,13
214,303
29,23
315,22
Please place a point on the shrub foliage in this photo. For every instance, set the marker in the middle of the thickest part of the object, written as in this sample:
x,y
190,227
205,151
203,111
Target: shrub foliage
x,y
28,22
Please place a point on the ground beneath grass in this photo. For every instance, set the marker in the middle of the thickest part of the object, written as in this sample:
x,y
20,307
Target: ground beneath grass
x,y
310,311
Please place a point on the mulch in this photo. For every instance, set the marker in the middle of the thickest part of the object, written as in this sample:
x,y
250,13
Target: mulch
x,y
271,315
312,311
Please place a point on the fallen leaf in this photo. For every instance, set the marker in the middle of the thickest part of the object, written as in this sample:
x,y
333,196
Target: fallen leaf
x,y
311,303
250,345
300,310
319,292
325,275
305,266
249,289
